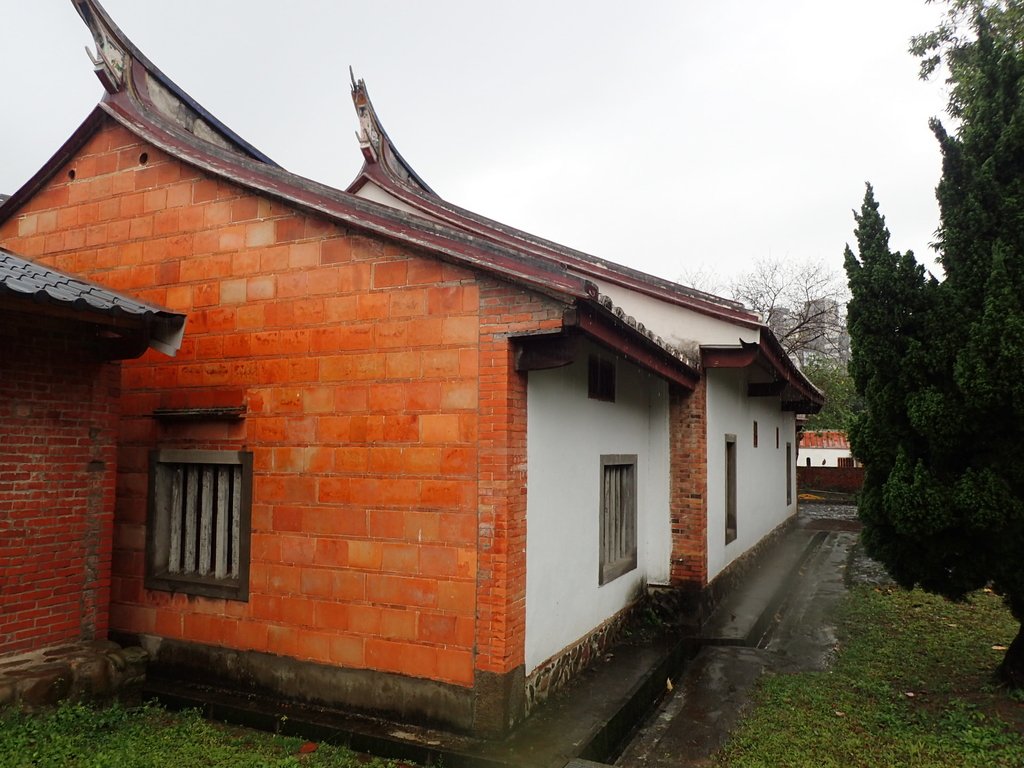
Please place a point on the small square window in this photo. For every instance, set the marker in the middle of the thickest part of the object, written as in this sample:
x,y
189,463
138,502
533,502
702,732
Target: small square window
x,y
601,378
618,516
197,537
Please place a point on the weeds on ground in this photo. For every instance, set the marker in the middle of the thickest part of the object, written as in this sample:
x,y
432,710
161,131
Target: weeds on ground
x,y
77,736
912,686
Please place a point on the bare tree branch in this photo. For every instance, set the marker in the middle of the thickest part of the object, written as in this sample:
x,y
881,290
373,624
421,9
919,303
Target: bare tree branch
x,y
804,303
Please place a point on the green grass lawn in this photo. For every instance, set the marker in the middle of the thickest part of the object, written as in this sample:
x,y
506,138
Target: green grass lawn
x,y
912,686
75,736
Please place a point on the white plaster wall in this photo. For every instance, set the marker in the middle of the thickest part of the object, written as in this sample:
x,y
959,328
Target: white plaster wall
x,y
566,435
370,191
823,457
677,325
760,472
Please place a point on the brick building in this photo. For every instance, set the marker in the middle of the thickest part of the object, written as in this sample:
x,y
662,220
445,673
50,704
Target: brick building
x,y
407,459
60,340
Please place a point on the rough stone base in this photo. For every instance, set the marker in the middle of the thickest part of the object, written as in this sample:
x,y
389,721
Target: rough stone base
x,y
95,671
560,669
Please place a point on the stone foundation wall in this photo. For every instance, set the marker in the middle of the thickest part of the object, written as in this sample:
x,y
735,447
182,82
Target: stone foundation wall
x,y
559,670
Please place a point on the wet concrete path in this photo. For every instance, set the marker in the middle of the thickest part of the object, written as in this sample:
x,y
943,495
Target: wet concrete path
x,y
706,703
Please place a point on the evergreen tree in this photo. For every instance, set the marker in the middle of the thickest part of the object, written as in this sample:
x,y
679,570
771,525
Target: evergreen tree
x,y
940,364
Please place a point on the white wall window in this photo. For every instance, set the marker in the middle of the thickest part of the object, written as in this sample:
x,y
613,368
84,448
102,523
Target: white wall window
x,y
618,516
789,474
730,488
601,378
197,536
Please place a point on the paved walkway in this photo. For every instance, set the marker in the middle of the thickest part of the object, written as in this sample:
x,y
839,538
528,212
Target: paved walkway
x,y
711,696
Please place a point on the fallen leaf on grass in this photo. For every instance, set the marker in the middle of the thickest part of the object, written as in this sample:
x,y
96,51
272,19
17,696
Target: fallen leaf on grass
x,y
306,748
840,713
998,647
909,694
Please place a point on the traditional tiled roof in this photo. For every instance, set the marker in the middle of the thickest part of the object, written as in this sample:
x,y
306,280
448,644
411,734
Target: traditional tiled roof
x,y
832,438
25,279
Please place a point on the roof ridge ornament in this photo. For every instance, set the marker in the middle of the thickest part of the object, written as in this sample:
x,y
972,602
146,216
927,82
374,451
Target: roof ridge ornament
x,y
110,60
367,135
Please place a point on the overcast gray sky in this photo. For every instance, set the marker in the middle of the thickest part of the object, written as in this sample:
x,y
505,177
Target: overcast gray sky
x,y
668,136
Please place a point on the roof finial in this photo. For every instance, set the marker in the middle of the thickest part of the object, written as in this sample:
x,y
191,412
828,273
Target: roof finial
x,y
367,135
110,60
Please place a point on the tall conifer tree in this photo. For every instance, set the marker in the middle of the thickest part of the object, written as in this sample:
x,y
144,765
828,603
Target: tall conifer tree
x,y
941,365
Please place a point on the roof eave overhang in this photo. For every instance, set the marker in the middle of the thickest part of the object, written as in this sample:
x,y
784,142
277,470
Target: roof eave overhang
x,y
127,335
603,326
787,382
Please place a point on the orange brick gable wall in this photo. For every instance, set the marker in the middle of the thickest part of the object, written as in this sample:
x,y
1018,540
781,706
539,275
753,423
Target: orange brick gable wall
x,y
58,424
381,410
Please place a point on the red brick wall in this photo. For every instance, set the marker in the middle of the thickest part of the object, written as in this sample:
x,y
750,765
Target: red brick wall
x,y
834,479
501,631
689,478
58,421
379,401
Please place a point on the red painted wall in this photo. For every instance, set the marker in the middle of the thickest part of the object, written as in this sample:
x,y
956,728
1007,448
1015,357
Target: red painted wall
x,y
58,424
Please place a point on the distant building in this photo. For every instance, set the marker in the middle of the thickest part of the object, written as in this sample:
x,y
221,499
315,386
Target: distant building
x,y
827,448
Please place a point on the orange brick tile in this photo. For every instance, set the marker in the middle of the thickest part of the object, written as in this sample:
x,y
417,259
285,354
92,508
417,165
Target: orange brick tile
x,y
335,250
455,665
398,624
365,554
348,651
316,582
400,558
331,615
389,274
334,521
302,255
436,628
364,619
331,553
439,428
260,288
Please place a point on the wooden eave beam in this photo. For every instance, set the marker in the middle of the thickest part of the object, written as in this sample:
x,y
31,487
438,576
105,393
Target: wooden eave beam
x,y
628,342
545,351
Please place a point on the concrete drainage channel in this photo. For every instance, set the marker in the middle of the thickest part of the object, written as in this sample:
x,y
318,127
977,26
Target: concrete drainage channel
x,y
621,712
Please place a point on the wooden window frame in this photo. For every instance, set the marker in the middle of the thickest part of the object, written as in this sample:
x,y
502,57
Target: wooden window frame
x,y
731,481
220,534
601,378
617,518
789,474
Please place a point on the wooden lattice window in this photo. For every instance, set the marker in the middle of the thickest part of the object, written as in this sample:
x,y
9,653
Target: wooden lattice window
x,y
618,516
601,378
200,505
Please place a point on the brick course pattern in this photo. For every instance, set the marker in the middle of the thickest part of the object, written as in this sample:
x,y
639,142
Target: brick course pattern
x,y
58,424
387,426
689,481
833,479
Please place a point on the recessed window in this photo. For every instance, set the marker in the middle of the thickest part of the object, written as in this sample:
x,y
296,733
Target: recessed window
x,y
789,474
730,488
776,437
618,516
200,505
755,434
601,378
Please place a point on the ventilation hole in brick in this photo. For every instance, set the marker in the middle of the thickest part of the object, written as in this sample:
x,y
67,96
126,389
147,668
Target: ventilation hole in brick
x,y
143,158
71,174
